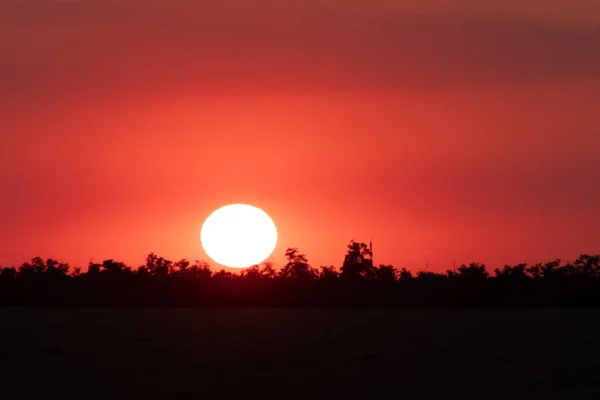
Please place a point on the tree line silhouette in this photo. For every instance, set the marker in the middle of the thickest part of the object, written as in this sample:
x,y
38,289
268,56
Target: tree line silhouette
x,y
358,283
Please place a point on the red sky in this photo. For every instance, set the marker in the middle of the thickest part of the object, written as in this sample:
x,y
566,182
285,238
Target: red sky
x,y
443,130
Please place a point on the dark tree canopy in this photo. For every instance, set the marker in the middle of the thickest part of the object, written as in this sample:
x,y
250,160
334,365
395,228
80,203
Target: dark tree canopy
x,y
297,266
358,262
358,283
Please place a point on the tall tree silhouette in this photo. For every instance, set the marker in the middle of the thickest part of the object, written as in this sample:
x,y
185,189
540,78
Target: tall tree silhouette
x,y
358,262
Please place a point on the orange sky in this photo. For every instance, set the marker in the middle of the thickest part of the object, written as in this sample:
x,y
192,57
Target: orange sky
x,y
444,130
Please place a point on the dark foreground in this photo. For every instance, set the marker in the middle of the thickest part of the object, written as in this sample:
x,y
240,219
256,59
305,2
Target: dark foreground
x,y
285,354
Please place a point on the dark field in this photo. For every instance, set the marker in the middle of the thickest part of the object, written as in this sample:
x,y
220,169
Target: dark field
x,y
189,354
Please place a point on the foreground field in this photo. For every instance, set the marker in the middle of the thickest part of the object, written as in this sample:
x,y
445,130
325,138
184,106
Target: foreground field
x,y
286,354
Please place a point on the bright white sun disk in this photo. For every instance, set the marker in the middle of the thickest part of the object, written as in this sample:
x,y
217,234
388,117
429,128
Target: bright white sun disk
x,y
238,235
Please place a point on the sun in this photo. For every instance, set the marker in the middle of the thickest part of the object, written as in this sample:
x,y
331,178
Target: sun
x,y
238,235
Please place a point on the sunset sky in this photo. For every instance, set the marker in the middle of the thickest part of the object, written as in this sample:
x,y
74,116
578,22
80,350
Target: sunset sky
x,y
445,130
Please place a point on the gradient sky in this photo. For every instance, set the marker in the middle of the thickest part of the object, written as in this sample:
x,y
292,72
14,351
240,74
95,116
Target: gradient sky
x,y
445,130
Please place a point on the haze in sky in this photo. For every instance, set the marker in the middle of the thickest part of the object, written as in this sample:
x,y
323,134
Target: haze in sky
x,y
442,130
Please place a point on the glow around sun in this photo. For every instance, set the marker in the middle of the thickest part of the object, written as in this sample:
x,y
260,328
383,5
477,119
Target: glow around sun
x,y
238,235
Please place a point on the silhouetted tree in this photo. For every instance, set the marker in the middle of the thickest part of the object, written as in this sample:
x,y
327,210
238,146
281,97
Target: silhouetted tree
x,y
429,276
404,275
358,262
200,270
385,273
473,272
38,266
181,267
158,266
328,274
518,272
268,270
252,272
93,268
297,266
587,266
56,268
114,267
8,273
223,275
549,270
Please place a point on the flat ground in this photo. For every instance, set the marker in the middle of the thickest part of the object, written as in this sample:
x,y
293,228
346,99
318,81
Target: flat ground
x,y
285,354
